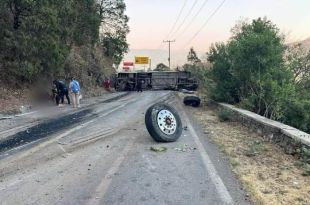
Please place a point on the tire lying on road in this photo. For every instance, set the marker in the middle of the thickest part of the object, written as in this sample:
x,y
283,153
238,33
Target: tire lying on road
x,y
163,123
192,101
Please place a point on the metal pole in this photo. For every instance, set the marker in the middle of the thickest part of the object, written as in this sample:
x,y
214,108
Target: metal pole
x,y
169,58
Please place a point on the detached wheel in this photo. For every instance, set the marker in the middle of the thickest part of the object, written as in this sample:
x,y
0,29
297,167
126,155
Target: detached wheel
x,y
192,101
163,123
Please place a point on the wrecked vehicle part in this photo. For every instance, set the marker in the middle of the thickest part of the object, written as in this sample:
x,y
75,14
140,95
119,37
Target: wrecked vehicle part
x,y
192,101
163,123
187,91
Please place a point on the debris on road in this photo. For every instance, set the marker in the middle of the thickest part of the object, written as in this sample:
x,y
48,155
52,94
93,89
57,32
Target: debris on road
x,y
187,91
158,149
184,148
163,123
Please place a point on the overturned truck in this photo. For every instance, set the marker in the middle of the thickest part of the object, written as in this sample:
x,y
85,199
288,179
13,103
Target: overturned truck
x,y
155,80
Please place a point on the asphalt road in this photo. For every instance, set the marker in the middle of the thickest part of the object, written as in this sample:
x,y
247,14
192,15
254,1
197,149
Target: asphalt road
x,y
105,158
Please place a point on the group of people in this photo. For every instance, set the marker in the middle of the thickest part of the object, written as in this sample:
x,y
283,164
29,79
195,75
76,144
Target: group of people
x,y
61,90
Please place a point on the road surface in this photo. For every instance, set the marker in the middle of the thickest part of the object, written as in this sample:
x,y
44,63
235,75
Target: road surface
x,y
104,157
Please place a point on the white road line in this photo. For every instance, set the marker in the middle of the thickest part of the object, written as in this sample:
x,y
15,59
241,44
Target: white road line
x,y
19,128
27,113
62,148
107,179
215,178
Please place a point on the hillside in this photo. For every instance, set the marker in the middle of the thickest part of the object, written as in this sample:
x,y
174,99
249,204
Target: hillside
x,y
42,41
306,42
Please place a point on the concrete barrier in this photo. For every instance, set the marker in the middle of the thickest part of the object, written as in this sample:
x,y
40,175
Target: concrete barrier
x,y
286,136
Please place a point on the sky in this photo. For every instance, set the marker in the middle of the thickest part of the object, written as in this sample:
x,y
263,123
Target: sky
x,y
152,20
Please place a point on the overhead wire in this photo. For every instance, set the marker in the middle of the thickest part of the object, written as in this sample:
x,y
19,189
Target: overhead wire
x,y
178,18
193,19
176,21
206,22
185,18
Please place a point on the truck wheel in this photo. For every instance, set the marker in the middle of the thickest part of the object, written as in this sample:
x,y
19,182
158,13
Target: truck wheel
x,y
192,101
163,123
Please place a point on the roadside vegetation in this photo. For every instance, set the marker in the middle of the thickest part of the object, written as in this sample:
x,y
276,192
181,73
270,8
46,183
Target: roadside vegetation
x,y
257,71
161,67
268,175
42,40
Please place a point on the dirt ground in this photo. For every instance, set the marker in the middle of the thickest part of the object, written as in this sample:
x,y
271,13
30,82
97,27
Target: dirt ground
x,y
266,172
11,100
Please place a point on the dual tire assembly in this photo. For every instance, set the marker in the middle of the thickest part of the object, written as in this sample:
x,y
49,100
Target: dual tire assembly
x,y
163,123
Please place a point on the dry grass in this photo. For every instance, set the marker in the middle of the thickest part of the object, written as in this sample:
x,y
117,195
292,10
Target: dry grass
x,y
267,173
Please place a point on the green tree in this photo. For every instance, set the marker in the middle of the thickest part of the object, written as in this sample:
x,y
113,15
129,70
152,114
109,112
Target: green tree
x,y
36,37
297,60
162,67
114,28
192,57
253,72
222,84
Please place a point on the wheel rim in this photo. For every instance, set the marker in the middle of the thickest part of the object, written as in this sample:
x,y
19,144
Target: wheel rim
x,y
166,122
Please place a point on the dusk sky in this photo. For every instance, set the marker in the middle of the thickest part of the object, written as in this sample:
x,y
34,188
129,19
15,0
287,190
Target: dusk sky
x,y
151,20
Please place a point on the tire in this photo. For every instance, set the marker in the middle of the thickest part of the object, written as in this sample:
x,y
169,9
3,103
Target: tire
x,y
191,101
163,129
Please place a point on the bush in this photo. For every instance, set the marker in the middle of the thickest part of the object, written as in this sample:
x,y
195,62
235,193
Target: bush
x,y
224,114
304,160
250,70
297,114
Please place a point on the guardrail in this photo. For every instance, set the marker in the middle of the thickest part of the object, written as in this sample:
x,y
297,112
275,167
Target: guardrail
x,y
286,136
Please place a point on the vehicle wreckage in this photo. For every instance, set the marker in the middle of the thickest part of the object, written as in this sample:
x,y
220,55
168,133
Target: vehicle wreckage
x,y
155,80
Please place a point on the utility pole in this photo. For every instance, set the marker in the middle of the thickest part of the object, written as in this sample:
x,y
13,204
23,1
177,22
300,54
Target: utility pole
x,y
169,42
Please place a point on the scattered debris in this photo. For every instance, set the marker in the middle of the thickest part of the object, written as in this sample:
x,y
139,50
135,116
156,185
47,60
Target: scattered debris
x,y
187,91
184,148
61,143
268,175
158,149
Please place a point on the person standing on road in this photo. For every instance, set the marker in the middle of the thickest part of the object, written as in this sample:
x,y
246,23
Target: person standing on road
x,y
62,90
75,92
139,85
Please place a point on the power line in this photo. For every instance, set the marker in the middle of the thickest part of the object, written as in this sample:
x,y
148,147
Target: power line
x,y
189,13
177,19
205,23
193,19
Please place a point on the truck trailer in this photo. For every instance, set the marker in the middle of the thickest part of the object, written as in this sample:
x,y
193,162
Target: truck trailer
x,y
155,80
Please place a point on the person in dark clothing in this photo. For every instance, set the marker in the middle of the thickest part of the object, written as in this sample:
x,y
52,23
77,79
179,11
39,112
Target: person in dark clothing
x,y
139,86
62,90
